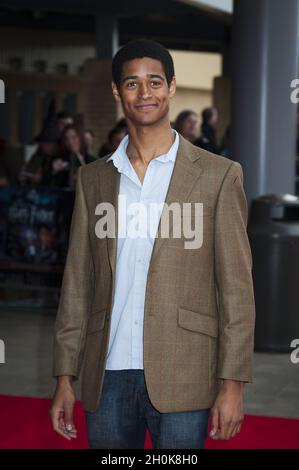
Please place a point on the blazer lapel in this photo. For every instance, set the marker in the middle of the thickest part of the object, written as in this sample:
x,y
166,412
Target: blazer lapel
x,y
184,176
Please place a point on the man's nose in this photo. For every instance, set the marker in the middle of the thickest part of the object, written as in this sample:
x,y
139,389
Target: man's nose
x,y
144,91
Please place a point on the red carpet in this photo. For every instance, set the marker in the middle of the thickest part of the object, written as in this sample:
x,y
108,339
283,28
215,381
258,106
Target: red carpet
x,y
25,424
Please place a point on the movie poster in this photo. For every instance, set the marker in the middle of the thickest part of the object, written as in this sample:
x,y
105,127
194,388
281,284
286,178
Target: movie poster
x,y
34,226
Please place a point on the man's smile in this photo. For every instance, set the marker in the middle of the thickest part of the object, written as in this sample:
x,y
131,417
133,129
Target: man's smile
x,y
146,106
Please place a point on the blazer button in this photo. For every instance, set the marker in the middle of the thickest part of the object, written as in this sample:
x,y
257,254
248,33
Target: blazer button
x,y
107,317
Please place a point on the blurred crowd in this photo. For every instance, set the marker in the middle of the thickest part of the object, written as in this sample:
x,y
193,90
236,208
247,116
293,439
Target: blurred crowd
x,y
63,146
187,124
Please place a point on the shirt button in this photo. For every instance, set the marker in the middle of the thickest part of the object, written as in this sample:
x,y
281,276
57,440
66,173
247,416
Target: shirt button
x,y
136,322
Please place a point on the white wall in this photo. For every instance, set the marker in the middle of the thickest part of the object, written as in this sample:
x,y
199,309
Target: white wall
x,y
223,5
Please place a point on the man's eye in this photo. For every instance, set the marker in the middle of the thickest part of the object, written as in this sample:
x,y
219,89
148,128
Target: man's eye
x,y
131,84
155,83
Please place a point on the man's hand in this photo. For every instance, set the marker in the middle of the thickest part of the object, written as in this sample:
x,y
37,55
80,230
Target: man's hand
x,y
227,412
61,410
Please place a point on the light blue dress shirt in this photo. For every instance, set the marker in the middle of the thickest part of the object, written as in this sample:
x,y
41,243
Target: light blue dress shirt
x,y
125,349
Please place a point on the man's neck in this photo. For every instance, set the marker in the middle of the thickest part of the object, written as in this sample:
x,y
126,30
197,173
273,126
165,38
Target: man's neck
x,y
146,143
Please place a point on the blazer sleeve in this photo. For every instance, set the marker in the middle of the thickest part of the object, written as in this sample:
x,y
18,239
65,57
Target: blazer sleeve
x,y
76,292
233,268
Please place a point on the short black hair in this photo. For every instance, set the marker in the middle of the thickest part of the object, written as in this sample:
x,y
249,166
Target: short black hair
x,y
137,49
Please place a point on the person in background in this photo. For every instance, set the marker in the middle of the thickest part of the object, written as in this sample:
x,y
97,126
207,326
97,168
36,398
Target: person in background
x,y
33,172
207,139
64,119
63,168
88,140
122,124
186,124
114,138
48,139
225,148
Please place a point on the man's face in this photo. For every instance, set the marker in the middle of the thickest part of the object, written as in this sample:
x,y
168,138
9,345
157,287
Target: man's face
x,y
88,139
72,141
144,91
190,126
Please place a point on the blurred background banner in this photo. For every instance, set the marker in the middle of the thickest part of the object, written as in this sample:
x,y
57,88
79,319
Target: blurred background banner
x,y
34,227
34,231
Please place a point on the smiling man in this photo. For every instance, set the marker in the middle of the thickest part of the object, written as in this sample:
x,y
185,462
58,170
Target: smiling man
x,y
164,334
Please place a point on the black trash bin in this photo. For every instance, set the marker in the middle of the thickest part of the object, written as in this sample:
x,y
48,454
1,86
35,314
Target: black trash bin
x,y
273,230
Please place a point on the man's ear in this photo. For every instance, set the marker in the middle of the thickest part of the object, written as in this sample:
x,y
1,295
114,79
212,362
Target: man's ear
x,y
172,87
115,92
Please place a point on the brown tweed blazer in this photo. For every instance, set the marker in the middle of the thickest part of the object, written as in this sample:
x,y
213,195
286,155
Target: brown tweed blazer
x,y
199,308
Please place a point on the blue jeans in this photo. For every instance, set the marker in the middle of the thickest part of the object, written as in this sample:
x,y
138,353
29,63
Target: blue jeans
x,y
125,413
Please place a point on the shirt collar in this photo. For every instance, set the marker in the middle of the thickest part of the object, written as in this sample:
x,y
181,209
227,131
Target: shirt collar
x,y
120,158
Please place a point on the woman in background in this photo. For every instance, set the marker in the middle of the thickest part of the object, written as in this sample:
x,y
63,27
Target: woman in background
x,y
186,124
72,155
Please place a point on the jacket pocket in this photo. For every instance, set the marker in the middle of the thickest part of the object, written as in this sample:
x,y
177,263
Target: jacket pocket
x,y
196,321
96,321
207,347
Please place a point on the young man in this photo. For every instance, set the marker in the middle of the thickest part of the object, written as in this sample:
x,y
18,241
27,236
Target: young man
x,y
165,332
